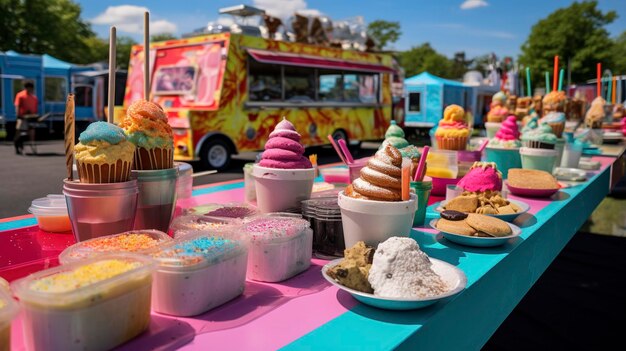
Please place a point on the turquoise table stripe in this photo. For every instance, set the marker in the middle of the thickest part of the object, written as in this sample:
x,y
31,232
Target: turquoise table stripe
x,y
20,223
215,189
498,278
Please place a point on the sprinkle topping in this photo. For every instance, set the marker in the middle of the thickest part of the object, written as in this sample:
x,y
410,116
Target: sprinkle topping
x,y
275,227
83,276
197,250
124,242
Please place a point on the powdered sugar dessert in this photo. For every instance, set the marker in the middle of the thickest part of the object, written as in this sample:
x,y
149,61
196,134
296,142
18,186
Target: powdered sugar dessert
x,y
198,273
401,270
283,149
280,247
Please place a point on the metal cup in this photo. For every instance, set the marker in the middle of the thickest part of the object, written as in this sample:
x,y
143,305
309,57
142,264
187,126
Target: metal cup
x,y
97,210
157,197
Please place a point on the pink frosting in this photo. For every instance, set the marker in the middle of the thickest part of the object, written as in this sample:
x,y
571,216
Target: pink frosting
x,y
283,149
482,177
452,125
508,130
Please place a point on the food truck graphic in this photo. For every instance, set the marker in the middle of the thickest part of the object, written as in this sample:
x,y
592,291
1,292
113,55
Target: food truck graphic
x,y
223,93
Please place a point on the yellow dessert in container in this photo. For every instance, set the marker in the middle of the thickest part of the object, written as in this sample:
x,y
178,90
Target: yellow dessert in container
x,y
93,304
8,310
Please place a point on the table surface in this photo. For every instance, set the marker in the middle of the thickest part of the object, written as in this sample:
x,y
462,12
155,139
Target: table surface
x,y
307,312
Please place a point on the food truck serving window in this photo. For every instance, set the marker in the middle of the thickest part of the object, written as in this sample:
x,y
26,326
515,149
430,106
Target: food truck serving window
x,y
55,89
415,102
174,80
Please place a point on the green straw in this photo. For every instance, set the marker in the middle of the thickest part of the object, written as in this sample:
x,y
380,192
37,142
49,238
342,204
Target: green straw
x,y
609,88
561,73
547,82
528,90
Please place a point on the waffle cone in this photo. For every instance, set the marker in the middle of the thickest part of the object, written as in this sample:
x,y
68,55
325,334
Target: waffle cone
x,y
104,173
154,158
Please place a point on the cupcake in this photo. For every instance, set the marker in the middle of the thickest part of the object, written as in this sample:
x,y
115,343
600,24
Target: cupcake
x,y
595,115
556,121
508,135
103,154
147,127
539,138
522,109
498,110
554,101
503,148
452,132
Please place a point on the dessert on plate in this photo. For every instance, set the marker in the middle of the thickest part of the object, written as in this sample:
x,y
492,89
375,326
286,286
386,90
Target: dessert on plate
x,y
531,179
353,270
473,225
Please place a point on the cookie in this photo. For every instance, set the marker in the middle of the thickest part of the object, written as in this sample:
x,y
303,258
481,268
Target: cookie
x,y
463,203
531,179
508,209
453,215
489,225
455,227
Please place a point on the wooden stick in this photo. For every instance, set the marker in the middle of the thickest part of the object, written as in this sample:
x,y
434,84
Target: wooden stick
x,y
69,136
112,64
146,54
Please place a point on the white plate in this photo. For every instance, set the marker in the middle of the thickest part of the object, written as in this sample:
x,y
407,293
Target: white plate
x,y
451,275
524,207
570,174
477,241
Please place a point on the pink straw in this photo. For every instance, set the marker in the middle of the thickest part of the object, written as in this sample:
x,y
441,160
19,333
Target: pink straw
x,y
346,152
334,144
483,146
420,166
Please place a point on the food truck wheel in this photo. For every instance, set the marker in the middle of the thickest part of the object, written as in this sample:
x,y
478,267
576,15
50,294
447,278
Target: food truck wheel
x,y
216,154
340,134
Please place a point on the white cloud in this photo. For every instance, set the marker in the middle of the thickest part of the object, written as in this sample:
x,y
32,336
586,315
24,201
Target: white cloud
x,y
472,4
129,19
285,8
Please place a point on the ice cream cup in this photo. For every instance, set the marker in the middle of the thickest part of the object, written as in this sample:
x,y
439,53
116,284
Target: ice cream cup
x,y
249,183
100,209
560,144
571,155
375,221
355,168
492,128
280,190
504,159
157,197
422,190
540,159
7,314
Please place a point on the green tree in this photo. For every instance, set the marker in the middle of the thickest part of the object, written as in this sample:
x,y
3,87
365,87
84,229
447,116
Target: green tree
x,y
124,45
619,54
162,37
384,32
576,33
424,58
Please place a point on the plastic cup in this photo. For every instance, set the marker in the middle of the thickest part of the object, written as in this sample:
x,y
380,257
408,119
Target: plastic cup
x,y
157,197
504,159
354,169
422,191
559,146
571,155
453,191
184,182
248,183
97,210
279,190
375,221
492,128
539,159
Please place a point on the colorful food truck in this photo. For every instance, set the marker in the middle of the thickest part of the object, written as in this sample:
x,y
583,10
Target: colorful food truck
x,y
224,93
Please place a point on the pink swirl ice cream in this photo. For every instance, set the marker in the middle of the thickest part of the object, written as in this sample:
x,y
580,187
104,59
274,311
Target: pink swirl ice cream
x,y
482,176
508,135
283,149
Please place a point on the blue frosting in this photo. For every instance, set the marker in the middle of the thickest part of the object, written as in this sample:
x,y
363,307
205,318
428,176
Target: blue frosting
x,y
102,131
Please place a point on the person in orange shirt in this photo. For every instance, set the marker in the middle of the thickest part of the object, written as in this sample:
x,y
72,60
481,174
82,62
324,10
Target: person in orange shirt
x,y
25,104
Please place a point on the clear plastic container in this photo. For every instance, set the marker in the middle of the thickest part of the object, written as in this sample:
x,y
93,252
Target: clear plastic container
x,y
324,215
199,272
51,213
184,182
99,314
184,225
280,247
8,311
249,183
442,164
227,210
134,241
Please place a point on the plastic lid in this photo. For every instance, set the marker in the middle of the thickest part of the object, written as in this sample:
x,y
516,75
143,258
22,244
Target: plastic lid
x,y
184,225
198,250
274,227
51,205
135,241
184,169
8,307
86,284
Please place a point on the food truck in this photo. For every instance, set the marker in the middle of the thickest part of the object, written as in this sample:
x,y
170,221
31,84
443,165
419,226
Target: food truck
x,y
223,93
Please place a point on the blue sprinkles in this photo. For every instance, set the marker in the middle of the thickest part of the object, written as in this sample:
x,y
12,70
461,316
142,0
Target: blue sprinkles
x,y
210,248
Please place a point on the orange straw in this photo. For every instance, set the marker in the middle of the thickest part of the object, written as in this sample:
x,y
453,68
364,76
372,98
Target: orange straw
x,y
406,178
556,73
599,78
614,88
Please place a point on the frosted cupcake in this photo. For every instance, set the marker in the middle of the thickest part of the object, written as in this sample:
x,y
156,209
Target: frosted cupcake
x,y
508,135
539,138
147,127
452,132
103,154
556,121
554,101
503,149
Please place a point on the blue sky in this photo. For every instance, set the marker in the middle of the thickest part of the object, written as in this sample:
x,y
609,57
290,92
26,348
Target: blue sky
x,y
474,26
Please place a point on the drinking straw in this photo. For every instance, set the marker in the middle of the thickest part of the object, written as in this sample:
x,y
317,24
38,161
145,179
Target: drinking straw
x,y
112,64
528,89
556,71
200,174
69,136
346,152
420,165
334,144
406,178
614,89
483,145
146,54
561,73
599,78
547,82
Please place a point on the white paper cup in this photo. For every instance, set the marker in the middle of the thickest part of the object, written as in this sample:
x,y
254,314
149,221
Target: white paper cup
x,y
539,159
375,221
280,190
